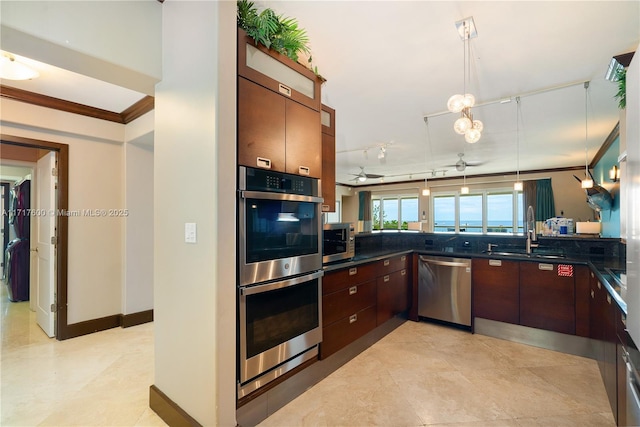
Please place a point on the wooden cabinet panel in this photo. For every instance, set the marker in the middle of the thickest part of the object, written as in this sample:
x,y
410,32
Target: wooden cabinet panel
x,y
583,300
547,299
392,264
340,279
496,290
328,121
348,301
261,125
392,295
303,138
343,332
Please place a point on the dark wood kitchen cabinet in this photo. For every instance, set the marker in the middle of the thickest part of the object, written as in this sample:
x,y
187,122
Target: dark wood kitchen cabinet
x,y
496,289
547,296
392,287
277,133
328,121
348,306
279,124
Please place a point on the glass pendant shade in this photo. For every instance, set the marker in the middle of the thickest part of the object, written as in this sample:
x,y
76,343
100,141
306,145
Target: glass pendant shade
x,y
462,125
468,100
455,103
426,192
477,125
464,190
518,186
472,136
587,183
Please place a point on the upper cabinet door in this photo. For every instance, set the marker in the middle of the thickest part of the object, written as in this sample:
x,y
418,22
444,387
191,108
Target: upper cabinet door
x,y
261,127
277,72
304,141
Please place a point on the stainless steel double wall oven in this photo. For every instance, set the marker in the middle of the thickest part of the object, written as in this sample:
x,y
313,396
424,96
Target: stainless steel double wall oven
x,y
279,274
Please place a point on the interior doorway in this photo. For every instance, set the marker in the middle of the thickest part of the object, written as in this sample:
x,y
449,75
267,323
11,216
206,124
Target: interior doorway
x,y
25,149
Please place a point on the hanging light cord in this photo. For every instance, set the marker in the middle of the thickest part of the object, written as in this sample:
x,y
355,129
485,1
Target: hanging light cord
x,y
586,131
518,139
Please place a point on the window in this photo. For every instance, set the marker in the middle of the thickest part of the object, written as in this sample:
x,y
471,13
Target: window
x,y
489,211
393,212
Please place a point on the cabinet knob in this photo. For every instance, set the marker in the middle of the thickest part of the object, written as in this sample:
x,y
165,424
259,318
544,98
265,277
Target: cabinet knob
x,y
353,290
353,271
353,318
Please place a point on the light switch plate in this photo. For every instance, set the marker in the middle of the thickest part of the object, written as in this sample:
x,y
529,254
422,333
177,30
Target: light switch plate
x,y
190,232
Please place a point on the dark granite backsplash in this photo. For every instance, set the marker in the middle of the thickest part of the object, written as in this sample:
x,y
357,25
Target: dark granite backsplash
x,y
459,243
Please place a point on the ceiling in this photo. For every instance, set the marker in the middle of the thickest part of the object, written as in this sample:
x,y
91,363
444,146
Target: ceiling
x,y
390,64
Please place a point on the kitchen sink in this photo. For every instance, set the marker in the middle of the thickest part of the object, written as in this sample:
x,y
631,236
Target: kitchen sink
x,y
521,254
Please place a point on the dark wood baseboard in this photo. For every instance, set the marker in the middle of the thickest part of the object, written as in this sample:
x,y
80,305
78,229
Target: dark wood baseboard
x,y
104,323
90,326
133,319
168,410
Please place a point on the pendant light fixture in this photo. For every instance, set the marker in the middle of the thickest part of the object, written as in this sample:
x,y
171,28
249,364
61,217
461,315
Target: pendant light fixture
x,y
587,182
464,189
518,186
466,125
425,190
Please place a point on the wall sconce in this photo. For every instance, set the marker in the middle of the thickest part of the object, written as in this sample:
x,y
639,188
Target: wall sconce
x,y
614,174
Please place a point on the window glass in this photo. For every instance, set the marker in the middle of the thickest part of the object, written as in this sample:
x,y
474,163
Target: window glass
x,y
471,213
444,213
376,217
500,212
520,213
390,214
408,211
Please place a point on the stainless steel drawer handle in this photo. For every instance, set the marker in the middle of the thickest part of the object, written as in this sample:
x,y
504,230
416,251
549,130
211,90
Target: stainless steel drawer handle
x,y
609,299
599,285
285,90
353,318
592,294
386,278
304,170
495,263
262,162
386,262
403,273
353,271
353,290
403,258
546,267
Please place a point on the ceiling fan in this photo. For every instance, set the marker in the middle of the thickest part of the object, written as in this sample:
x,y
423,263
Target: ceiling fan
x,y
363,176
462,164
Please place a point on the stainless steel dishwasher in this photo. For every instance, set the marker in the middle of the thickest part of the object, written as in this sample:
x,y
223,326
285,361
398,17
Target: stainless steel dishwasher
x,y
444,289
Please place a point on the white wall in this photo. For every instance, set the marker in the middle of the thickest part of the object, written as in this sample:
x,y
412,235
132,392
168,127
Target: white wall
x,y
96,174
194,149
114,41
137,292
633,196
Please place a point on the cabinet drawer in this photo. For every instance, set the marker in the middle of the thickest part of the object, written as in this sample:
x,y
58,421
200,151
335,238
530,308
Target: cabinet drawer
x,y
389,265
496,290
343,332
335,280
392,295
347,301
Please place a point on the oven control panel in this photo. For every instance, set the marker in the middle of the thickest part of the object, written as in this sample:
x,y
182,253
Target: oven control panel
x,y
277,182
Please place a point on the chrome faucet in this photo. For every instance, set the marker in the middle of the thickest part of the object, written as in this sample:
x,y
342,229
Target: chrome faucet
x,y
531,230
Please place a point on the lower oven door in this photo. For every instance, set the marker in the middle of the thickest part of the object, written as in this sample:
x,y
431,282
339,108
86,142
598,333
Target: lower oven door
x,y
278,322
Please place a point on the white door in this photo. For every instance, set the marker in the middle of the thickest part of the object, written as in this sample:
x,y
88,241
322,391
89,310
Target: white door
x,y
46,231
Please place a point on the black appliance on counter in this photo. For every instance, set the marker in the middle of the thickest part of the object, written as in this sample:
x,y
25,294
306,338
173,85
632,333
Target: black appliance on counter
x,y
338,241
279,274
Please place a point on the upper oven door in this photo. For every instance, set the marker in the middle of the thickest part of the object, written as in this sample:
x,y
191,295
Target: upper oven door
x,y
280,235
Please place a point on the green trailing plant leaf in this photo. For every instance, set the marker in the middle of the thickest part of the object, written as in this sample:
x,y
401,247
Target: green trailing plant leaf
x,y
621,95
276,32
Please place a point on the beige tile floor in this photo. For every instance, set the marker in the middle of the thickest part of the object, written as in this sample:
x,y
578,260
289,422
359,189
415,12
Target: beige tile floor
x,y
100,379
420,374
425,374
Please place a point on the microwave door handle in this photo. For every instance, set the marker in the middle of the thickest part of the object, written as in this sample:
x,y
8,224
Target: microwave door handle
x,y
279,196
250,290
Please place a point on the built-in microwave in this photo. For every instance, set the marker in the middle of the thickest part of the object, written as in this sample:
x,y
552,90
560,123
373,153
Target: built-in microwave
x,y
338,241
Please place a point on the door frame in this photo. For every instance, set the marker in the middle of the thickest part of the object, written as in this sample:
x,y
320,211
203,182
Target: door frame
x,y
62,330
